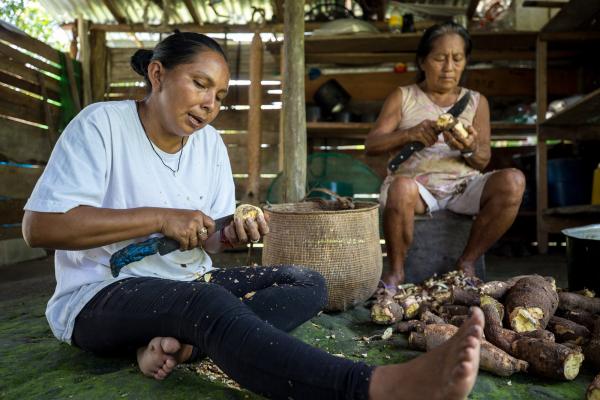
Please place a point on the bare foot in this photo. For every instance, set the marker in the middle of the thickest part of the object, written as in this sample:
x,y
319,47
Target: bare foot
x,y
447,372
390,281
161,356
468,267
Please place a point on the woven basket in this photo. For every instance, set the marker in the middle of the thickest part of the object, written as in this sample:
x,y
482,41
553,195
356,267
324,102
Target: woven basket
x,y
343,245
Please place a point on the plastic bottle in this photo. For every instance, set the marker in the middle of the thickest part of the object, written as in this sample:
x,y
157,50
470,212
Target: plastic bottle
x,y
596,186
395,21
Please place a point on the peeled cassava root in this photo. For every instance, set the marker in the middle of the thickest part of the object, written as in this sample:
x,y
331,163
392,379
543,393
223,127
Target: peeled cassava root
x,y
386,310
548,359
593,391
246,211
530,303
446,122
492,359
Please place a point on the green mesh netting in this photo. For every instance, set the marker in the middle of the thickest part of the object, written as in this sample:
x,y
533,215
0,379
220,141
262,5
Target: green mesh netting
x,y
338,172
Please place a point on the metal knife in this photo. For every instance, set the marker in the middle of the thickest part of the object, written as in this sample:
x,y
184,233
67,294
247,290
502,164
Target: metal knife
x,y
408,149
161,245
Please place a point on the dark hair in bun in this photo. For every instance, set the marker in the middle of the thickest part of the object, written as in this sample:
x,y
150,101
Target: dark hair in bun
x,y
178,48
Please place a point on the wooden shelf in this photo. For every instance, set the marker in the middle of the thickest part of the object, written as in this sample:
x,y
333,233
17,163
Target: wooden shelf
x,y
359,130
406,42
576,21
580,121
574,210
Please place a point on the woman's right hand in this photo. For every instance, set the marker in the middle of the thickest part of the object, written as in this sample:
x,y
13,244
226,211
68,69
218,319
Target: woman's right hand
x,y
425,132
191,228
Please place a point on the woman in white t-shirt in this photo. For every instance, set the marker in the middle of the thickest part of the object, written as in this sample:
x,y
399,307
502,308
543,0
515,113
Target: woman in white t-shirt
x,y
125,171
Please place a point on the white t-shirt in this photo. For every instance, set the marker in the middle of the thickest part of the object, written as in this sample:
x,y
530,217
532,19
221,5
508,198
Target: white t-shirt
x,y
104,159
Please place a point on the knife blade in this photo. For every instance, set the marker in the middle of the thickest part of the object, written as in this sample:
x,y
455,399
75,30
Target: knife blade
x,y
161,245
408,149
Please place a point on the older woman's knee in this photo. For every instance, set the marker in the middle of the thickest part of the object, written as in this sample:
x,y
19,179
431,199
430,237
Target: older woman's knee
x,y
509,185
515,182
402,190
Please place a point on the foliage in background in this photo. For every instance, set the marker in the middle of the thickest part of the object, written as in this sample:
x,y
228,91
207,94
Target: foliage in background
x,y
31,18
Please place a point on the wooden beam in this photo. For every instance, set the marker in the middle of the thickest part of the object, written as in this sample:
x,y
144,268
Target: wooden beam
x,y
98,64
49,120
27,74
193,12
293,97
73,87
12,232
544,4
18,182
23,143
12,80
541,150
576,15
117,15
11,211
207,28
282,113
585,111
22,58
10,34
19,105
85,59
471,9
254,119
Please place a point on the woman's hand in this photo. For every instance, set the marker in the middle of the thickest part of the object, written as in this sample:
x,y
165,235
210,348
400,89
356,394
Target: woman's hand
x,y
464,145
425,132
241,231
191,228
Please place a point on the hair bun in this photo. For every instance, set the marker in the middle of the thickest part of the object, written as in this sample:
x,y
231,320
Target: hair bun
x,y
140,61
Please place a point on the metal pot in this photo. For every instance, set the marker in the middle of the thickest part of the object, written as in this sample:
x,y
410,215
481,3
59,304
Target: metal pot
x,y
583,257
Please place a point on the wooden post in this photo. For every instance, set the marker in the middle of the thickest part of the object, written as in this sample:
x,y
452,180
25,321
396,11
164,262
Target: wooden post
x,y
84,58
98,65
293,97
281,165
52,137
541,71
73,83
254,119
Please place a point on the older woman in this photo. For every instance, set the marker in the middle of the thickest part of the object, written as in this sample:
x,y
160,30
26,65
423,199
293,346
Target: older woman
x,y
446,173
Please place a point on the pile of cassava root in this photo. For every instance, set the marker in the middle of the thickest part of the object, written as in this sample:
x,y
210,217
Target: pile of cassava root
x,y
530,326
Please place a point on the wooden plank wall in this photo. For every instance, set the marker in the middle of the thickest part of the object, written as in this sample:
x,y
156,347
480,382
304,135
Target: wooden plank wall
x,y
231,122
29,77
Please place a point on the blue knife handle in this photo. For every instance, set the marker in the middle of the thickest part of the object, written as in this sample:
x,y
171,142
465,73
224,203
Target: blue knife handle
x,y
161,245
134,252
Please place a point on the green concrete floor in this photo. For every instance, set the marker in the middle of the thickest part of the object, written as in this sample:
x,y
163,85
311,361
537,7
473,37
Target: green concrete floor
x,y
33,365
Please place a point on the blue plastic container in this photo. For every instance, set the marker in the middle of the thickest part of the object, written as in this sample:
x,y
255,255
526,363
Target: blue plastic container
x,y
568,182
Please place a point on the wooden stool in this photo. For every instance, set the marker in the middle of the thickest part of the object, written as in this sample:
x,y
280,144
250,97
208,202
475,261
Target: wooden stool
x,y
438,241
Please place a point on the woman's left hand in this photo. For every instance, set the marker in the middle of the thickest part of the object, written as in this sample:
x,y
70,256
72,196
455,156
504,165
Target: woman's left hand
x,y
242,231
468,144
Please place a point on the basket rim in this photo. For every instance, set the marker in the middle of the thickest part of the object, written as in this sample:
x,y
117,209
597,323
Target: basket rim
x,y
369,206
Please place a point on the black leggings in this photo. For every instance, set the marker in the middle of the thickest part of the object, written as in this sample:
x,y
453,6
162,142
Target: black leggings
x,y
244,338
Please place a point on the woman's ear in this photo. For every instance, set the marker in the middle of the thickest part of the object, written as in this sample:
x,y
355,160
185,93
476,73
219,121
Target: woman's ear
x,y
156,73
